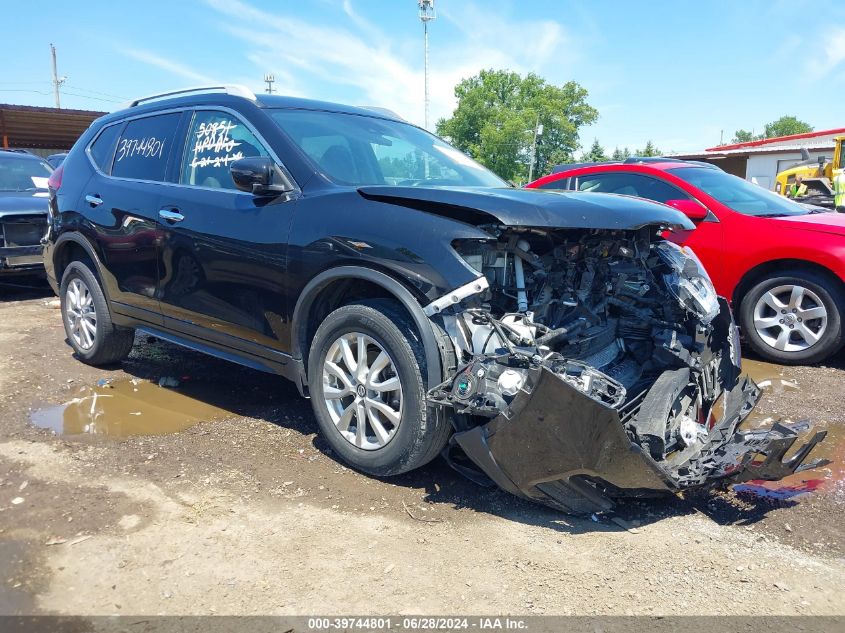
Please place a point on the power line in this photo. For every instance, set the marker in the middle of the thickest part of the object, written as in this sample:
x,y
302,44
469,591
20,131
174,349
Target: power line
x,y
97,92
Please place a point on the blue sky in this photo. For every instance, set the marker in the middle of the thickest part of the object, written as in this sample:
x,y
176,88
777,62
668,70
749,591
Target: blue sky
x,y
675,72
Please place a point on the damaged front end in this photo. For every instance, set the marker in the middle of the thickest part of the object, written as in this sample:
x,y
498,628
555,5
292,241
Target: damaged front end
x,y
598,364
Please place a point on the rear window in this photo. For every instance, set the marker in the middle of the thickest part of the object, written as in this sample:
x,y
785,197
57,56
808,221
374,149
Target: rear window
x,y
102,149
144,147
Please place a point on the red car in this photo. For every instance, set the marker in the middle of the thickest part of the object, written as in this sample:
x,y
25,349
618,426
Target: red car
x,y
780,264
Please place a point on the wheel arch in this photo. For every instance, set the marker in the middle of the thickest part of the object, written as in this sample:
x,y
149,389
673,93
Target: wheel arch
x,y
337,286
72,246
754,275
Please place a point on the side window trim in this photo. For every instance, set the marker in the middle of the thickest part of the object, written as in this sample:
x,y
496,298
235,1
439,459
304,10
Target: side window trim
x,y
193,111
121,124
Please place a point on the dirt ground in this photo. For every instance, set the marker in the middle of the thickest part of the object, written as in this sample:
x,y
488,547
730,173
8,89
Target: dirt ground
x,y
236,506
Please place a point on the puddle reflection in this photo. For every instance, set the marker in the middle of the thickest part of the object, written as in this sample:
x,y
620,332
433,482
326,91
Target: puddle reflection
x,y
127,407
776,379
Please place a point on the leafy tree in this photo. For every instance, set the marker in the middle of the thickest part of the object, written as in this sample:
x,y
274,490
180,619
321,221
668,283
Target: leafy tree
x,y
596,153
743,136
784,126
787,125
497,114
619,154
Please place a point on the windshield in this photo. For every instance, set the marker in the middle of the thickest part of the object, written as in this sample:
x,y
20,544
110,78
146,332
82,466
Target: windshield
x,y
360,150
23,173
738,194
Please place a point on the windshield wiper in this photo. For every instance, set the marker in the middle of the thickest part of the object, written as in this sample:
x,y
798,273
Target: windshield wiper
x,y
774,215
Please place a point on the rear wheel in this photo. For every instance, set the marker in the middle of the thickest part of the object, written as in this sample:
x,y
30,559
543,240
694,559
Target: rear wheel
x,y
366,368
793,317
88,325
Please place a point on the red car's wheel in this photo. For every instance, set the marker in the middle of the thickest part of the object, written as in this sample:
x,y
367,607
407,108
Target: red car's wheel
x,y
793,317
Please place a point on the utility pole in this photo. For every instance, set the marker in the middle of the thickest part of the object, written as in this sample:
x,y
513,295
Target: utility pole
x,y
427,14
269,78
57,82
538,131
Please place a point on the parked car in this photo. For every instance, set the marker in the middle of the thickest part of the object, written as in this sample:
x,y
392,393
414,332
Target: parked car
x,y
554,344
56,159
23,212
781,264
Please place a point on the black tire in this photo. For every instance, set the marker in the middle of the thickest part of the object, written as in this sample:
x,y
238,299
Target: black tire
x,y
422,431
831,298
111,343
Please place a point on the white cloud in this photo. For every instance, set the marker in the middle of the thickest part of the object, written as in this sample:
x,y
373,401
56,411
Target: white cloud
x,y
819,66
167,65
386,70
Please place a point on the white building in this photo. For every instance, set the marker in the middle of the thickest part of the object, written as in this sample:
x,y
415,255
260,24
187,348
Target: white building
x,y
760,161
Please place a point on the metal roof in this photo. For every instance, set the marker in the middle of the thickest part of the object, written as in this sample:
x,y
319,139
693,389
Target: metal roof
x,y
777,139
45,128
748,151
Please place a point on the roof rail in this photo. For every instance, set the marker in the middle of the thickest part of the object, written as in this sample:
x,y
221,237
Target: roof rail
x,y
230,89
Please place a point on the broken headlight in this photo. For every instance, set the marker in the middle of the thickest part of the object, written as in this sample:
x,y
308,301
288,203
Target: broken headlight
x,y
688,281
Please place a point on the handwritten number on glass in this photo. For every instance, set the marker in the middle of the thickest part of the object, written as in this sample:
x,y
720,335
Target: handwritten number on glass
x,y
213,146
141,147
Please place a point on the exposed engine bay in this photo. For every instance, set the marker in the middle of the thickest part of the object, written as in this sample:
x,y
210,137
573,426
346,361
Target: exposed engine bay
x,y
593,364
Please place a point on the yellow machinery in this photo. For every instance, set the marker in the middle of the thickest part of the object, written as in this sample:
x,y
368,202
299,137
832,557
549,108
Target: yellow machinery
x,y
817,174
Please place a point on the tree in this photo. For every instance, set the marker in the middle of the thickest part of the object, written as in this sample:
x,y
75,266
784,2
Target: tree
x,y
499,110
648,150
743,136
787,125
596,153
784,126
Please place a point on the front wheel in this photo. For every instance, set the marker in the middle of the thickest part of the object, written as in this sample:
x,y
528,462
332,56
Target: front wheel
x,y
365,376
793,317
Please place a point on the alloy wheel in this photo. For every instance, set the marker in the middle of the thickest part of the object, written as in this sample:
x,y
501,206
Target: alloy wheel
x,y
362,391
790,318
80,314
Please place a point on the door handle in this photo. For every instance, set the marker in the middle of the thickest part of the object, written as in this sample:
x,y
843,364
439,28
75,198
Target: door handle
x,y
169,215
94,200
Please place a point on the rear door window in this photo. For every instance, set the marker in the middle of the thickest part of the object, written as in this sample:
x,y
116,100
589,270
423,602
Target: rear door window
x,y
102,149
144,147
630,185
215,140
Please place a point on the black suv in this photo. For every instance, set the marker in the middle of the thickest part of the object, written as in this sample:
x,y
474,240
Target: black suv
x,y
551,342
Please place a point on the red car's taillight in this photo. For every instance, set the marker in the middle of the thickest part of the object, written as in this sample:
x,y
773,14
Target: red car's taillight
x,y
55,179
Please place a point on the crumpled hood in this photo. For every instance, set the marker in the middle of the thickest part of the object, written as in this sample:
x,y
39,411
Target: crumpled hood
x,y
832,222
17,202
532,207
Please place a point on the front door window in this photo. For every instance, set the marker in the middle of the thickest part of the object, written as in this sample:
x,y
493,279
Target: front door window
x,y
216,139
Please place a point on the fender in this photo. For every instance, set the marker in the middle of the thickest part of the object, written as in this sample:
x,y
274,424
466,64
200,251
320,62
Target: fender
x,y
80,240
395,288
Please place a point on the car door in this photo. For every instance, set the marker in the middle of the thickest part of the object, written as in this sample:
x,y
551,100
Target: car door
x,y
707,240
223,250
121,202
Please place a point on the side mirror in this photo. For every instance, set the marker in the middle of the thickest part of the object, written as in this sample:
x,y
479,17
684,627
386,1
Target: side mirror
x,y
260,176
695,211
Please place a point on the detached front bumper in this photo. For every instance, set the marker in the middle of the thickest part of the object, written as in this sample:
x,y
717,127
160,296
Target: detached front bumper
x,y
558,446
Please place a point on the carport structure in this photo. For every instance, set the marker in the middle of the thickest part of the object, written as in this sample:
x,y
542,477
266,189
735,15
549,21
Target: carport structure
x,y
42,130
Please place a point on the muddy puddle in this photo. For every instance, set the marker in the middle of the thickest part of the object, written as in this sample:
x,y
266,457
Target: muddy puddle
x,y
829,479
127,407
769,376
